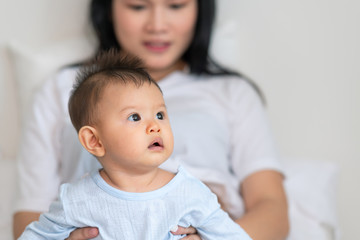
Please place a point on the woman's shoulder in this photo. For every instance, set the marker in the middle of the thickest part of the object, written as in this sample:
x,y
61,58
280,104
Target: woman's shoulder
x,y
66,76
60,81
53,94
67,71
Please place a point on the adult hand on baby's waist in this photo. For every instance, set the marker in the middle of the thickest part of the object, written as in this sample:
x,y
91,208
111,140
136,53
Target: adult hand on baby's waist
x,y
92,232
84,233
190,232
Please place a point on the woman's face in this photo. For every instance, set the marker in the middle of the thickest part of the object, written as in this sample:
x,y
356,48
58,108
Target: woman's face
x,y
157,31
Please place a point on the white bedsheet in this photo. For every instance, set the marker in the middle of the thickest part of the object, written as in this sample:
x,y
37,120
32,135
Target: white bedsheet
x,y
311,190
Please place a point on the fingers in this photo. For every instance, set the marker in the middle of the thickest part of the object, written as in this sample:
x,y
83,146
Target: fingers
x,y
182,230
83,234
190,232
192,237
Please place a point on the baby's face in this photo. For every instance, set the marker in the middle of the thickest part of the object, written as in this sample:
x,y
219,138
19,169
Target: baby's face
x,y
134,127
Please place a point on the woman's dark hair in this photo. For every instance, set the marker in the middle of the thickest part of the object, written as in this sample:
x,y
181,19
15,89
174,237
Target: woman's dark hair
x,y
196,56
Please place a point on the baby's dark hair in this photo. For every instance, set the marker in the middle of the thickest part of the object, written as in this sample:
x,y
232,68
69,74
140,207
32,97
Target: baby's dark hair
x,y
109,67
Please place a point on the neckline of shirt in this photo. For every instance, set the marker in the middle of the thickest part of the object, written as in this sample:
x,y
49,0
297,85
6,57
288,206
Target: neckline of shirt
x,y
136,196
179,76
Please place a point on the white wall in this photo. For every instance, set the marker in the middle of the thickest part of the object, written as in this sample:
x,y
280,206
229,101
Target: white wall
x,y
305,55
32,23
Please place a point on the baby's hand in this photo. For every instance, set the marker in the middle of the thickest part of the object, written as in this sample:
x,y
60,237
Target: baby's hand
x,y
83,233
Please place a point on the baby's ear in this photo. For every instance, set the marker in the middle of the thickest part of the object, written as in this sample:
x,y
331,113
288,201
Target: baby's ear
x,y
90,140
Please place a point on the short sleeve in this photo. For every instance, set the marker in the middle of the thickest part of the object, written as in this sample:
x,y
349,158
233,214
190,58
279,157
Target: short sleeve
x,y
40,155
38,161
252,143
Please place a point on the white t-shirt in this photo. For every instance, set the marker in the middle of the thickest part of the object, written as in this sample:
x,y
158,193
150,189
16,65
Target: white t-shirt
x,y
220,129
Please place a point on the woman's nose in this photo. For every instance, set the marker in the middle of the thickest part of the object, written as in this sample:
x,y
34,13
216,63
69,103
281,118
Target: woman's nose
x,y
157,22
153,127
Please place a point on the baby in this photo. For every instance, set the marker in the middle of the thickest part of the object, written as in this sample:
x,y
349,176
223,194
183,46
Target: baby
x,y
119,113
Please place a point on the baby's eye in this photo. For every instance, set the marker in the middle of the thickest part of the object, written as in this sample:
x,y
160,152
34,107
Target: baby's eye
x,y
134,117
160,115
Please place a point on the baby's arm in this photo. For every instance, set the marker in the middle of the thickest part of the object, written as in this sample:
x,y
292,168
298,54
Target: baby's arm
x,y
51,225
220,226
215,223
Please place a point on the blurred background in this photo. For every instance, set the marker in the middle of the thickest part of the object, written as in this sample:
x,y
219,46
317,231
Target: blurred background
x,y
305,56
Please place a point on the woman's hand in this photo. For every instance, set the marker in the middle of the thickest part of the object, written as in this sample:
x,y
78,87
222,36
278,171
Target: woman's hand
x,y
83,233
191,233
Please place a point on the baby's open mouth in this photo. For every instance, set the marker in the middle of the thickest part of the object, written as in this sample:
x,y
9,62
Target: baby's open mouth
x,y
156,143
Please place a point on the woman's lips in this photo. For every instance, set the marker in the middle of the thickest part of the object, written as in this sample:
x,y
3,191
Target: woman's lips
x,y
157,47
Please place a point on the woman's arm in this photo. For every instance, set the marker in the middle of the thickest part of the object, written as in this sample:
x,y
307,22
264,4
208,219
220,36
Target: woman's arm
x,y
266,215
21,220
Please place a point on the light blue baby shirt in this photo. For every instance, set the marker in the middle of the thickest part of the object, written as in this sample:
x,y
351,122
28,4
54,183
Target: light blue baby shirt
x,y
183,201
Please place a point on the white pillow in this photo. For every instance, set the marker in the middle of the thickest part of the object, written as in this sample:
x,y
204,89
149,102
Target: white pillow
x,y
8,107
7,186
311,188
34,64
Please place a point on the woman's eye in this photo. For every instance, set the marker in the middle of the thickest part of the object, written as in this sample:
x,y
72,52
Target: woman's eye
x,y
160,115
137,7
134,118
177,5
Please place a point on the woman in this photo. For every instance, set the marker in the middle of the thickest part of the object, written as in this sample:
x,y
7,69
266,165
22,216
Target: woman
x,y
220,128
